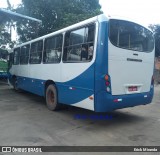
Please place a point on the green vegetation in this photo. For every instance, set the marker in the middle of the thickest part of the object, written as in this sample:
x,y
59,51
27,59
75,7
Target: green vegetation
x,y
55,14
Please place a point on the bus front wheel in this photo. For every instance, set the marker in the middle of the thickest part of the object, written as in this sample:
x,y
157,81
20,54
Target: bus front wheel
x,y
51,97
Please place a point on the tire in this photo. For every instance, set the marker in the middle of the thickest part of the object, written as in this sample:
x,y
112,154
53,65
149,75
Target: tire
x,y
51,98
15,83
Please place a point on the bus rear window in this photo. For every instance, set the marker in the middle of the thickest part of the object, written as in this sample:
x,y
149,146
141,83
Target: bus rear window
x,y
130,36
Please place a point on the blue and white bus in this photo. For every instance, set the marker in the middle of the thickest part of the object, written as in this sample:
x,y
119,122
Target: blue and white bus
x,y
100,64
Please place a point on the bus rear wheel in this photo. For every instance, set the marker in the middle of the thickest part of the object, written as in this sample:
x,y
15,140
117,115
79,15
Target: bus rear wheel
x,y
51,98
15,83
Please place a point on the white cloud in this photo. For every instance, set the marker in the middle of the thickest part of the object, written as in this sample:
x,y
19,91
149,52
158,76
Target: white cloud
x,y
141,10
14,3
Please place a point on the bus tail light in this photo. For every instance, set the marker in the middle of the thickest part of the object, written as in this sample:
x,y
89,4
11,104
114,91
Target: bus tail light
x,y
117,100
106,77
107,83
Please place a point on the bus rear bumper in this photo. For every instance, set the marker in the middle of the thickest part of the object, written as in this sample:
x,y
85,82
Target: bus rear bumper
x,y
107,102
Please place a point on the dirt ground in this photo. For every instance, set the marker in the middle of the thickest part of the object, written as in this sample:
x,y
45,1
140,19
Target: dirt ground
x,y
25,120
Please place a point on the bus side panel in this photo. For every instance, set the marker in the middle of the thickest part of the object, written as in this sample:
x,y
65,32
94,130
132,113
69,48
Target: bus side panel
x,y
101,67
78,89
74,91
35,86
106,102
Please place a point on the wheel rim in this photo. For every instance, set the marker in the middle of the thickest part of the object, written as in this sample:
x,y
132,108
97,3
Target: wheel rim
x,y
51,97
15,84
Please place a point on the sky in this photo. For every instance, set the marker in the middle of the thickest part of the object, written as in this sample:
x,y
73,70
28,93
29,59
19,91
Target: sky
x,y
143,11
14,3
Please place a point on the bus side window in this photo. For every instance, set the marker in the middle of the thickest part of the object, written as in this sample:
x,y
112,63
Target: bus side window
x,y
73,44
90,30
36,52
10,60
16,56
79,44
66,44
53,49
24,56
91,33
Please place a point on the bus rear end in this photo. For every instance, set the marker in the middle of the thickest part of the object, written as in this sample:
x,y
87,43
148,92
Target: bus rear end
x,y
130,61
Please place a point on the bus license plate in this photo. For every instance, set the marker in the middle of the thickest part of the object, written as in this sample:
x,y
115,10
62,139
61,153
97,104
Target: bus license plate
x,y
132,88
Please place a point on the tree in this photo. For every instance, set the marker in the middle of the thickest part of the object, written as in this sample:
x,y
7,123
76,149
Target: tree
x,y
5,30
4,36
55,14
156,30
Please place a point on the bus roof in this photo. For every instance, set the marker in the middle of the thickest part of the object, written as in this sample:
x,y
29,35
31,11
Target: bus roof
x,y
99,18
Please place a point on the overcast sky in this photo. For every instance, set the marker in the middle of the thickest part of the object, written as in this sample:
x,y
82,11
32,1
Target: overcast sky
x,y
3,3
145,11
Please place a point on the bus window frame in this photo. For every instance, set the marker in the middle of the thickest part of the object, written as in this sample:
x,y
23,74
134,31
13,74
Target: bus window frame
x,y
16,56
130,49
85,43
44,46
25,55
38,41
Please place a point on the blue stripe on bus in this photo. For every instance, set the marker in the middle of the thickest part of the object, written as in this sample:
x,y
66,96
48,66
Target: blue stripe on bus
x,y
101,67
35,86
70,92
77,89
104,102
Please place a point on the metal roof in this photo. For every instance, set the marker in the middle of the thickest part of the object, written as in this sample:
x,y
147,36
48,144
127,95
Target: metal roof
x,y
6,14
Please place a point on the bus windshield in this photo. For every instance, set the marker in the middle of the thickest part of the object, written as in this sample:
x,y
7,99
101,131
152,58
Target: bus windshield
x,y
130,36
